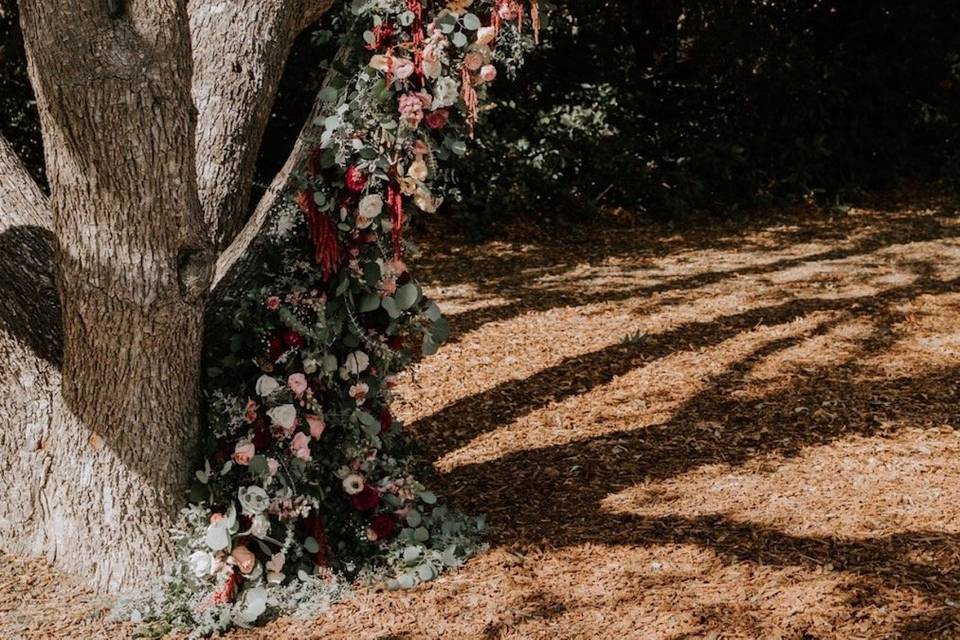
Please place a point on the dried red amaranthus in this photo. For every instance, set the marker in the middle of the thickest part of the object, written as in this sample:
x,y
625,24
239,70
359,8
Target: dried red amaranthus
x,y
322,233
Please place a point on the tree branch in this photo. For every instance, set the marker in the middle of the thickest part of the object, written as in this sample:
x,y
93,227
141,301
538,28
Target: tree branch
x,y
21,200
239,49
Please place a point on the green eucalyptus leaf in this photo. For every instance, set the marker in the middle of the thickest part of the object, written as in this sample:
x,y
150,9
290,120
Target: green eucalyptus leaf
x,y
407,295
390,306
369,302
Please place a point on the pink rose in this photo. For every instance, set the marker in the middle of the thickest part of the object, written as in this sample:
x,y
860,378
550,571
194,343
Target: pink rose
x,y
243,452
488,73
300,446
243,558
317,425
297,383
272,466
437,119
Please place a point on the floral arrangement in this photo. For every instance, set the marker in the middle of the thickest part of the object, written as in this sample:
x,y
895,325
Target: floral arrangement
x,y
306,480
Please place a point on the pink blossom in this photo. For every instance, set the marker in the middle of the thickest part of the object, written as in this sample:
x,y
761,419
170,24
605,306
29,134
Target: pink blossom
x,y
317,425
300,446
273,303
411,107
359,392
244,452
297,383
272,466
488,73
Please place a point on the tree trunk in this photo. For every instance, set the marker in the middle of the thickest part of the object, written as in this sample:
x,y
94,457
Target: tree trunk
x,y
133,267
99,395
239,51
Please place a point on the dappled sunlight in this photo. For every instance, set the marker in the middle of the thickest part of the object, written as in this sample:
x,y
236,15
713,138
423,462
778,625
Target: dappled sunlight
x,y
857,488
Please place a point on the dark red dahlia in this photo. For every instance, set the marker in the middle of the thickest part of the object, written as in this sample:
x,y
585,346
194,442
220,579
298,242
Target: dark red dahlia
x,y
355,179
367,499
291,338
275,348
382,526
395,342
386,420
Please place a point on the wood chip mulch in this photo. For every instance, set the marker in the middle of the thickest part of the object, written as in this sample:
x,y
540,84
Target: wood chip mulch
x,y
729,431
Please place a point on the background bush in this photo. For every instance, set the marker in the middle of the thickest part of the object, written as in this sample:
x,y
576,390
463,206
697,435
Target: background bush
x,y
668,107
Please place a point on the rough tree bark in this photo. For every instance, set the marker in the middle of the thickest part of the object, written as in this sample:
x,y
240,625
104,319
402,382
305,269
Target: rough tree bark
x,y
99,439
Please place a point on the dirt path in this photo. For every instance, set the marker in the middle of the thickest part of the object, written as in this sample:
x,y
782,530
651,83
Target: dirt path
x,y
725,433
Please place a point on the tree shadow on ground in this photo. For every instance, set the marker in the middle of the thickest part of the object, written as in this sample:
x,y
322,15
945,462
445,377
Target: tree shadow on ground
x,y
515,277
553,496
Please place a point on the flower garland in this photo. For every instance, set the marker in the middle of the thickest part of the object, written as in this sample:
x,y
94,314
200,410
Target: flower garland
x,y
306,480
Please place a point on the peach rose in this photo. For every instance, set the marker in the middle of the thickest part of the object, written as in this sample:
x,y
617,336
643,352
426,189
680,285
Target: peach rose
x,y
244,452
243,558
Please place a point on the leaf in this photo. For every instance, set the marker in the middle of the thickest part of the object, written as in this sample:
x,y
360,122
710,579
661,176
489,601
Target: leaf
x,y
407,295
428,498
390,306
433,312
426,572
471,22
218,538
414,518
407,581
411,554
429,346
459,40
369,302
311,545
258,465
440,330
420,534
328,94
367,419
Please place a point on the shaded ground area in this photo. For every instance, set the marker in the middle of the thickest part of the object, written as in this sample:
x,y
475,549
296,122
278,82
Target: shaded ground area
x,y
739,431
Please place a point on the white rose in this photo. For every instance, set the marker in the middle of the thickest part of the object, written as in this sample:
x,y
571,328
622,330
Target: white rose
x,y
418,170
432,68
371,206
445,92
353,484
201,563
266,385
486,35
260,526
354,364
284,416
310,366
253,500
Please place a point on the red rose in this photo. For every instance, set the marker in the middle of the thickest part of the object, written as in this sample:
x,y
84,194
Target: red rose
x,y
366,499
291,338
386,420
437,119
395,342
275,348
261,435
382,526
355,179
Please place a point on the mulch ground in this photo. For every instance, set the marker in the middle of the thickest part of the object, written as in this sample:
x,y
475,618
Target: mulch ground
x,y
736,430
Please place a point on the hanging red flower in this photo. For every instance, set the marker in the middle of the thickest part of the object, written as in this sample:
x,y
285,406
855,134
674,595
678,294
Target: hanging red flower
x,y
322,233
